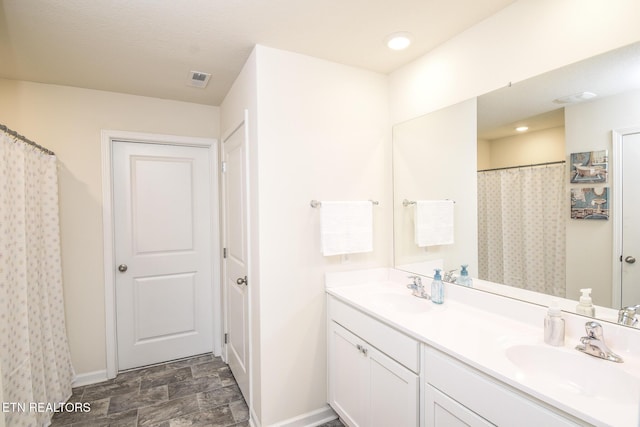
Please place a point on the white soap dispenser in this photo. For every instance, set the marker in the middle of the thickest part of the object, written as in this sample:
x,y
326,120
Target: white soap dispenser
x,y
554,326
585,307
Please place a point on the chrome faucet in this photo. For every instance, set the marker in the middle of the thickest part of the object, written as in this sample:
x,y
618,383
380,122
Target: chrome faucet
x,y
627,315
593,344
449,276
418,288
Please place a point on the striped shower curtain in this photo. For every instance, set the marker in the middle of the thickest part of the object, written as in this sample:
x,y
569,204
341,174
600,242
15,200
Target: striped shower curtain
x,y
521,228
35,364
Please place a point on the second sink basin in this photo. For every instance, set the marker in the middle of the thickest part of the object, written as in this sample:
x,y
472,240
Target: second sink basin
x,y
574,373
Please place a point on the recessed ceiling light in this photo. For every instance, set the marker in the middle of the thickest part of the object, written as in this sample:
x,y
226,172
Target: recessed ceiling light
x,y
399,41
522,128
576,97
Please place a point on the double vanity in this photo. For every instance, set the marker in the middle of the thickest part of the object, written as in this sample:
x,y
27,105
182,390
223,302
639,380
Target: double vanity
x,y
479,359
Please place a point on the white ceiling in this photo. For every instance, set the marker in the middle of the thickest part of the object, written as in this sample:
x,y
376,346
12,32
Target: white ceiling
x,y
530,102
148,47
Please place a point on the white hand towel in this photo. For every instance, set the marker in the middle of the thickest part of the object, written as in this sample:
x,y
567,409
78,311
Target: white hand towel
x,y
434,222
346,227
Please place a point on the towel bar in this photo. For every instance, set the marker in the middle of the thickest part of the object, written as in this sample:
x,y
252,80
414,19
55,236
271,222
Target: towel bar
x,y
407,203
317,203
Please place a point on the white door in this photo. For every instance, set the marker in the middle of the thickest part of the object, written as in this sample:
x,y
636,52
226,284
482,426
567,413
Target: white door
x,y
235,264
630,220
162,252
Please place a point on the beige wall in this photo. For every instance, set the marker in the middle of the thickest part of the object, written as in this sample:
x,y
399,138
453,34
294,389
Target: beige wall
x,y
68,121
484,154
525,149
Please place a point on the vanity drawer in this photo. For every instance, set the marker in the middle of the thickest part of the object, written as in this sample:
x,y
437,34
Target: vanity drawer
x,y
491,400
393,343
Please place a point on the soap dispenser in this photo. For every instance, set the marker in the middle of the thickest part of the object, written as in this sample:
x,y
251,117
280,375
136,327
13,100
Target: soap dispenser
x,y
554,326
437,288
585,307
465,279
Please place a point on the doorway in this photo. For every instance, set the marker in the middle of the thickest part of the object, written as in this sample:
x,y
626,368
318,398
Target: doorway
x,y
161,248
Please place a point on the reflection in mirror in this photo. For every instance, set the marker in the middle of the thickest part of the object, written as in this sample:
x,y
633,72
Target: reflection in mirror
x,y
427,153
570,253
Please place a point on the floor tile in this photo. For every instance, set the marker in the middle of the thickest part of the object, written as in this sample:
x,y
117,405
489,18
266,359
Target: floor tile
x,y
221,396
217,417
193,386
240,410
121,419
193,392
150,396
164,411
110,388
196,360
207,368
165,376
98,408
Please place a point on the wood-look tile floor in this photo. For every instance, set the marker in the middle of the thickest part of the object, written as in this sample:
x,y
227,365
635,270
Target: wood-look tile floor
x,y
196,392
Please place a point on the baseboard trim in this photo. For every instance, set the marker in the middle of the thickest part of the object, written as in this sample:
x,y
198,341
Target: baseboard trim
x,y
90,378
310,419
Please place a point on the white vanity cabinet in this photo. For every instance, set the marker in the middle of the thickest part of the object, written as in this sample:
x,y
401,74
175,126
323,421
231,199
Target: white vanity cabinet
x,y
373,370
458,395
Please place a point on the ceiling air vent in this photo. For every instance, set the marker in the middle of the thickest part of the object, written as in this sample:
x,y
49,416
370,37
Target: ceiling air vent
x,y
198,79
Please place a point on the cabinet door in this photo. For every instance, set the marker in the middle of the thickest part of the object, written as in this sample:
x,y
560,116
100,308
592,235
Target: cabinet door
x,y
348,376
442,411
394,392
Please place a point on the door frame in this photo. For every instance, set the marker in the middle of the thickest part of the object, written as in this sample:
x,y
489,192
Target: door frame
x,y
108,230
617,136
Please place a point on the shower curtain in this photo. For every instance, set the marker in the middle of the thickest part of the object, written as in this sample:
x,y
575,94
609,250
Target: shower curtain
x,y
521,228
35,363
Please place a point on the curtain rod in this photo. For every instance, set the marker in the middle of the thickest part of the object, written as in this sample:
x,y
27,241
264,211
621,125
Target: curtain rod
x,y
16,135
523,166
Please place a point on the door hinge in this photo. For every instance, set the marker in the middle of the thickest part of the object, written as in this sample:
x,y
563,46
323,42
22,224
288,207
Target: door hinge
x,y
226,338
224,252
224,167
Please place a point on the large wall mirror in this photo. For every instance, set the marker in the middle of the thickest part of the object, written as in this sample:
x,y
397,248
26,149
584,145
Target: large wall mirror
x,y
538,209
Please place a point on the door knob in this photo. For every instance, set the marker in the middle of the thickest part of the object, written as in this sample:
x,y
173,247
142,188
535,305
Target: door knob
x,y
630,259
122,268
242,280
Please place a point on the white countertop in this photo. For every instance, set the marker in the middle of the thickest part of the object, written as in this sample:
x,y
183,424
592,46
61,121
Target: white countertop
x,y
481,338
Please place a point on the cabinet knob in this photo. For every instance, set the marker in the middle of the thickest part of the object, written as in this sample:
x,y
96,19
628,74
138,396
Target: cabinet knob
x,y
361,349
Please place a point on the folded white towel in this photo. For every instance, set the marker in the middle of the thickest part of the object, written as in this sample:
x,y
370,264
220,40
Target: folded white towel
x,y
434,222
346,227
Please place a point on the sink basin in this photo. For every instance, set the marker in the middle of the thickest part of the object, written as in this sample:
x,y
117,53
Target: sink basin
x,y
576,373
396,302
